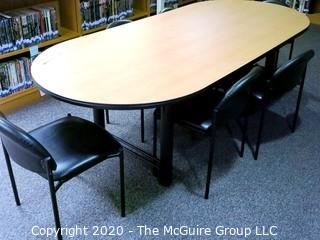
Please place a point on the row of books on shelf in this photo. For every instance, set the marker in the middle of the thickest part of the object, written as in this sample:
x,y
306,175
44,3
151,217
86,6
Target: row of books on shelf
x,y
15,76
99,12
26,27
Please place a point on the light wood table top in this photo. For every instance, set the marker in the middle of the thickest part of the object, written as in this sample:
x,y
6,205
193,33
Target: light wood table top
x,y
165,57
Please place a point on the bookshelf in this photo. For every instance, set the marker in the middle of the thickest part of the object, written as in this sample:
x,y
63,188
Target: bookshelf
x,y
19,99
314,15
140,9
66,31
67,28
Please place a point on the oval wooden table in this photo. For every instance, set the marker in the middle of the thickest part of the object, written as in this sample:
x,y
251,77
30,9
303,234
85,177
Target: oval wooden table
x,y
165,58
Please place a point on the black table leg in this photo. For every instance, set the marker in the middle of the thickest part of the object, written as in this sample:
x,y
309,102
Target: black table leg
x,y
272,61
166,146
98,117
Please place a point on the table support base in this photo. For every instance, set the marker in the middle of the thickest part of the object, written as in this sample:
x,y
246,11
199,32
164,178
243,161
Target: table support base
x,y
272,61
139,152
166,146
98,117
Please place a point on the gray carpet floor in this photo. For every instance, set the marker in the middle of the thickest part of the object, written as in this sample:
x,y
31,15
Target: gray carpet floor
x,y
281,189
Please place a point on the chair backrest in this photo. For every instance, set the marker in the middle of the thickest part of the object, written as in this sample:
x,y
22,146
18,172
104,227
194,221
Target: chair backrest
x,y
237,99
167,9
289,74
23,148
118,23
278,2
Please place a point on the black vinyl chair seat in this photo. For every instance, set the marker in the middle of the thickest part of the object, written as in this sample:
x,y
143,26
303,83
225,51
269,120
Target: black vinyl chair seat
x,y
72,158
59,151
198,113
227,82
198,122
195,112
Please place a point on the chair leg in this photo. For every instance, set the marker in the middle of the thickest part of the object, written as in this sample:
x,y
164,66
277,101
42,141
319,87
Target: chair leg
x,y
142,124
256,152
210,161
13,182
107,116
296,114
244,135
155,136
54,201
291,49
122,187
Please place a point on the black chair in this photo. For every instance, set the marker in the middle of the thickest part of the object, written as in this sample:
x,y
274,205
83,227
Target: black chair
x,y
286,78
282,3
218,90
167,9
58,152
279,2
112,25
203,114
118,23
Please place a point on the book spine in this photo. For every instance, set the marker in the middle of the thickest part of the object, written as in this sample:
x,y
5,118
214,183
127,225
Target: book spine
x,y
24,26
5,36
54,22
2,40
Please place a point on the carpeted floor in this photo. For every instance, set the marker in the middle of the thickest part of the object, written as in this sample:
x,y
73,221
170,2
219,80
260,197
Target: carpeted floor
x,y
281,189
